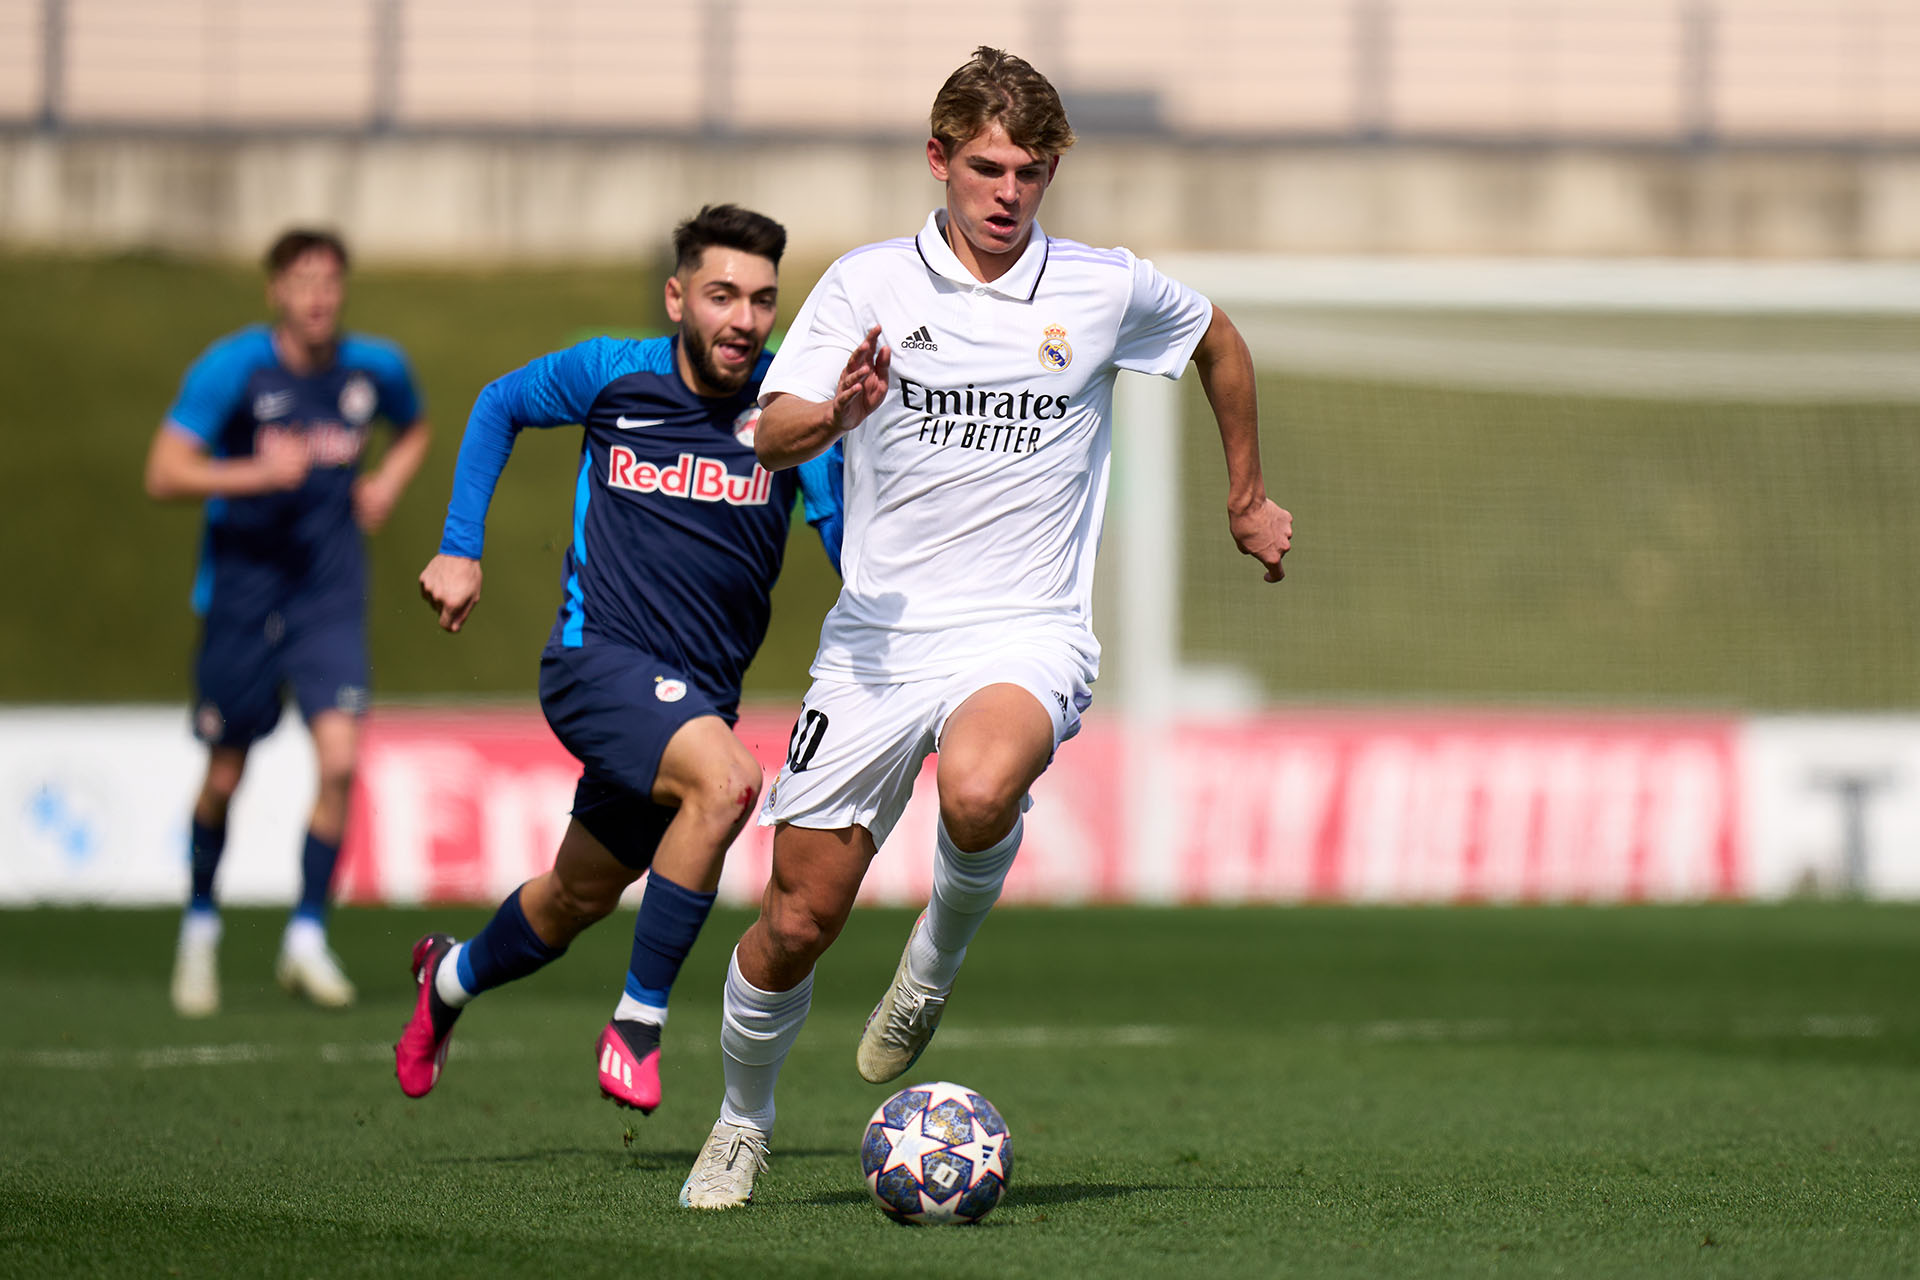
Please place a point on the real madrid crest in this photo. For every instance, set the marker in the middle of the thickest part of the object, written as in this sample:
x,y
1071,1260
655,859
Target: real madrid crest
x,y
1055,353
669,690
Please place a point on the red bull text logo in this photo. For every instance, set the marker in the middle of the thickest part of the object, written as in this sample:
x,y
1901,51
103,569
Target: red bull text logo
x,y
699,479
326,444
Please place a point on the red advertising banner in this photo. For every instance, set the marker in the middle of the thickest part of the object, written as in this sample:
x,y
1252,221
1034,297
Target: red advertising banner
x,y
1452,808
1283,807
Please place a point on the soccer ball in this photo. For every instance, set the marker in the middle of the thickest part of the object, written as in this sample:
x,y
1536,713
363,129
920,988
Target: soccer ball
x,y
937,1153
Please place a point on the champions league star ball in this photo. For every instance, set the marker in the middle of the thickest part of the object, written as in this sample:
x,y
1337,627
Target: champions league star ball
x,y
937,1153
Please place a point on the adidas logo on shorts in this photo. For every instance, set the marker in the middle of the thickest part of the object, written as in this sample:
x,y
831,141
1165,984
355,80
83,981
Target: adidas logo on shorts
x,y
919,340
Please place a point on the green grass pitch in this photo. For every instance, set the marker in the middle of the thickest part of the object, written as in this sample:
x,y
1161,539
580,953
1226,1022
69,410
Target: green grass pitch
x,y
1696,1091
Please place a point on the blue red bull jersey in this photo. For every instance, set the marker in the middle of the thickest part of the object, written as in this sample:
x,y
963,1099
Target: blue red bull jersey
x,y
678,531
263,549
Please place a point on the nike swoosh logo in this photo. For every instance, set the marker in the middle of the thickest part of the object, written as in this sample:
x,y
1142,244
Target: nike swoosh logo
x,y
634,424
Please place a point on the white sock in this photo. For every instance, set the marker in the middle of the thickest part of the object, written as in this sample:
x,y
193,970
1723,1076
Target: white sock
x,y
200,927
446,980
304,936
631,1010
757,1031
965,887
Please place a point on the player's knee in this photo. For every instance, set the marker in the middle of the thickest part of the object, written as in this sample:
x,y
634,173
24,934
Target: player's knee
x,y
224,772
977,811
336,776
725,797
796,931
212,806
216,797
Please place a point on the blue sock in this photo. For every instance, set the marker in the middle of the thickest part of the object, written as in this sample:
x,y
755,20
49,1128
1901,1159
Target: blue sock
x,y
204,846
669,921
507,948
316,877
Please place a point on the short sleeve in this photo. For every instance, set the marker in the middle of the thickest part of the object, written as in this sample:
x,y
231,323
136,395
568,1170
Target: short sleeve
x,y
809,361
212,389
1163,323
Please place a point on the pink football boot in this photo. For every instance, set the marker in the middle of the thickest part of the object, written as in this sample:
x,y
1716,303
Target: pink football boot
x,y
422,1050
629,1058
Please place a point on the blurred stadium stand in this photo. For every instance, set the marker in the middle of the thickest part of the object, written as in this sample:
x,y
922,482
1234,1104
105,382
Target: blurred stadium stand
x,y
567,130
1677,72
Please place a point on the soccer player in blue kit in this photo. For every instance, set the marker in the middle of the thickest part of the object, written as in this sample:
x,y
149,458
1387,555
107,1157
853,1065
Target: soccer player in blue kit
x,y
268,429
678,536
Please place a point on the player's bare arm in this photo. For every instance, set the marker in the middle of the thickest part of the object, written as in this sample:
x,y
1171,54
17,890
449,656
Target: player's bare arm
x,y
1260,528
793,430
179,468
451,587
376,493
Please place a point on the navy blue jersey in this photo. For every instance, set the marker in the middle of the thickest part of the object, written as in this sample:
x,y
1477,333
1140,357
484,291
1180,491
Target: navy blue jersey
x,y
261,549
678,531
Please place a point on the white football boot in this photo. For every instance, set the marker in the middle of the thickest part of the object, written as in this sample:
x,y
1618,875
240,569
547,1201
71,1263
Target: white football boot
x,y
196,967
307,967
724,1173
901,1026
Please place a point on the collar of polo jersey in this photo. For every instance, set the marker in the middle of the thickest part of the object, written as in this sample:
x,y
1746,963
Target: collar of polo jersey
x,y
1020,282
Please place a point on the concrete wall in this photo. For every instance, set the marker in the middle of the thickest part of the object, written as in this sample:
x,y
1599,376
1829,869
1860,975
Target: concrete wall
x,y
449,199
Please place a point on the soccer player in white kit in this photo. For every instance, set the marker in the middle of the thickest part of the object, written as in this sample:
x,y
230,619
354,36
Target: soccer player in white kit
x,y
969,370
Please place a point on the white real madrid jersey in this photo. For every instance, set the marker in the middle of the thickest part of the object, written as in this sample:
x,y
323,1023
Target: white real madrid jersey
x,y
975,492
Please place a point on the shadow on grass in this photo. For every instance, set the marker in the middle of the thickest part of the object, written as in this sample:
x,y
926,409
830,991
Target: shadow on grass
x,y
1027,1197
555,1153
1071,1192
647,1159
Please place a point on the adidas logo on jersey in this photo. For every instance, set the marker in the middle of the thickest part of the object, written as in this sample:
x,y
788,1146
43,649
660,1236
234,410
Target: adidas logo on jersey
x,y
919,340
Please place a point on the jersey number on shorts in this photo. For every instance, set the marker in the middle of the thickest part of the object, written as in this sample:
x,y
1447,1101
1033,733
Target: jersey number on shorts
x,y
807,732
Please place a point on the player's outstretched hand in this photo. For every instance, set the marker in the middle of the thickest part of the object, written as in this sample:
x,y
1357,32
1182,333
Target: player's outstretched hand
x,y
1266,534
451,585
863,382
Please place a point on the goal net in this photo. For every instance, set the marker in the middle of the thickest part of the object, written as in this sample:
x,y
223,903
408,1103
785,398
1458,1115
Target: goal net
x,y
1633,483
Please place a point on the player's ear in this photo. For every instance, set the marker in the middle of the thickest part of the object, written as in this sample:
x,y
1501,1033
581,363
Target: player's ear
x,y
676,298
937,159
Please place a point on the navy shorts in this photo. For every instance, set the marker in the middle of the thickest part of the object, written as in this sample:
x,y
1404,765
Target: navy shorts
x,y
247,663
615,708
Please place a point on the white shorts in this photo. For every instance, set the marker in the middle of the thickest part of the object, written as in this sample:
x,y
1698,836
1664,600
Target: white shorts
x,y
857,748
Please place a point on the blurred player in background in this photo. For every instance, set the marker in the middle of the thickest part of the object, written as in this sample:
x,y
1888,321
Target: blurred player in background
x,y
268,430
678,536
977,449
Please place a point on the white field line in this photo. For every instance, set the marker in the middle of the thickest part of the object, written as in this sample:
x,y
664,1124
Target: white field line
x,y
1563,367
233,1055
1416,1030
357,1053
